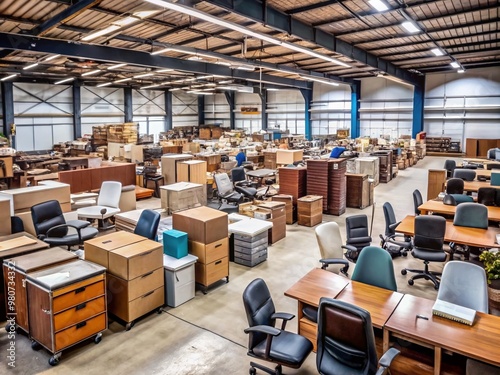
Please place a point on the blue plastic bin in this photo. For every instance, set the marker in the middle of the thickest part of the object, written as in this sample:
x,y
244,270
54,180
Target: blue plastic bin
x,y
175,243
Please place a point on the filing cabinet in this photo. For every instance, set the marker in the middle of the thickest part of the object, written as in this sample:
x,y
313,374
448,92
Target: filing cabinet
x,y
179,279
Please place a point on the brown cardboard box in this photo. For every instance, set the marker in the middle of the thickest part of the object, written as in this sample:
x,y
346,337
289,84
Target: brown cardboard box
x,y
129,290
98,249
208,253
131,310
288,156
24,198
131,261
202,224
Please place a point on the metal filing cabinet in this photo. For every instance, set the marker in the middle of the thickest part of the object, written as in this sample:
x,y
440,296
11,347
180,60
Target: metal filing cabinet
x,y
179,279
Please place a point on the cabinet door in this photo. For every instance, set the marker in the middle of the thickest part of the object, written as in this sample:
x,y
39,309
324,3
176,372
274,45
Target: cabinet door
x,y
40,316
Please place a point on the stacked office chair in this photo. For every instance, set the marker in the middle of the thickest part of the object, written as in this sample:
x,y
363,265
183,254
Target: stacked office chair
x,y
147,225
225,190
417,201
465,174
107,205
464,284
472,215
149,174
394,243
375,267
52,228
486,196
266,342
491,154
450,166
428,244
358,235
455,186
352,350
242,185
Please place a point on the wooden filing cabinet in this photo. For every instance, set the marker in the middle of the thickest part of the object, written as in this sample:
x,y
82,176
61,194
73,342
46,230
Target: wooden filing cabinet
x,y
359,191
192,171
16,269
277,211
270,159
309,210
67,305
169,166
289,208
5,228
213,261
436,180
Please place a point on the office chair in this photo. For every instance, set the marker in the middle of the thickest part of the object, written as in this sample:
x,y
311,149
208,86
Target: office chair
x,y
242,185
225,190
428,243
16,224
417,201
449,200
357,235
352,350
147,225
375,267
331,248
266,342
486,196
450,166
455,186
472,215
464,284
461,198
107,205
491,154
395,244
52,228
149,174
465,174
491,166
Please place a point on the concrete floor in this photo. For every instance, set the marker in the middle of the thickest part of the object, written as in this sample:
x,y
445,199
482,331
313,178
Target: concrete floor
x,y
205,335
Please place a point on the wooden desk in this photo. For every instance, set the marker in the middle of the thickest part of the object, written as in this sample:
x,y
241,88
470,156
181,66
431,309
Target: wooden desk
x,y
473,186
440,207
483,172
479,341
462,235
260,174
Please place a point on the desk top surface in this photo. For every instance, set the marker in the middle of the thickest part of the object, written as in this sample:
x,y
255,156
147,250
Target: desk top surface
x,y
38,245
475,185
480,341
179,186
261,172
439,206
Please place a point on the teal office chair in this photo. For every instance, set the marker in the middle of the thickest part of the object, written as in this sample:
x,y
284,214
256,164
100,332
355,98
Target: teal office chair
x,y
473,215
375,267
495,179
462,198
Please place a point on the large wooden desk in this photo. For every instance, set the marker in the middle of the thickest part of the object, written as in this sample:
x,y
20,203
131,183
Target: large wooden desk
x,y
462,235
479,341
440,207
473,186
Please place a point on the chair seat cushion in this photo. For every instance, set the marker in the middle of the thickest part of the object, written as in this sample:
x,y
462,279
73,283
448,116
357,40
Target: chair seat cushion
x,y
287,348
311,313
94,212
248,191
431,256
72,239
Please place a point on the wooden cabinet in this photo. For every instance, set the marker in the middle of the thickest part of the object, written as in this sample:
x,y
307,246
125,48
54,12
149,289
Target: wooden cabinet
x,y
293,182
359,191
310,212
277,216
478,148
192,171
6,167
169,166
67,305
435,183
213,261
385,165
270,159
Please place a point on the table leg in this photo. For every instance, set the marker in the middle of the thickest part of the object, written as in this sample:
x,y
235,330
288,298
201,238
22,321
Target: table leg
x,y
385,345
300,306
423,212
437,360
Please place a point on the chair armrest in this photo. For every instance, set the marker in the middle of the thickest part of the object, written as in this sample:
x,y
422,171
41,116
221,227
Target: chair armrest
x,y
349,247
284,316
392,240
78,224
268,330
395,225
63,226
386,360
328,261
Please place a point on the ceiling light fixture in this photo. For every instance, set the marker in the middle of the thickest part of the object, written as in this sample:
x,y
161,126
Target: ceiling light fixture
x,y
455,64
320,80
151,86
164,71
410,27
64,81
245,67
144,75
225,82
116,66
272,89
104,84
123,80
175,89
461,71
97,34
30,66
243,30
91,72
437,51
8,77
379,5
225,63
51,57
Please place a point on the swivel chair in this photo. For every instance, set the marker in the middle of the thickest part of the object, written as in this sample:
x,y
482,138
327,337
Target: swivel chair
x,y
348,351
241,184
16,224
417,201
450,166
465,174
455,186
375,267
107,205
225,190
472,215
428,243
149,174
357,235
52,228
147,225
266,342
486,196
394,243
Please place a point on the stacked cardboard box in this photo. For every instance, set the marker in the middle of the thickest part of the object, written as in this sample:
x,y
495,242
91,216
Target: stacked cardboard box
x,y
310,210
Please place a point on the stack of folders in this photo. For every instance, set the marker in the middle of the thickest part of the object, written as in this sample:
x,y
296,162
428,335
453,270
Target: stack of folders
x,y
451,311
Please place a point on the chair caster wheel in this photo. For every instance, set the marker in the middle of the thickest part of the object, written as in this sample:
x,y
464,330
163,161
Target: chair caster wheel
x,y
159,310
410,282
35,345
10,328
54,360
405,254
129,326
252,371
403,272
436,287
98,338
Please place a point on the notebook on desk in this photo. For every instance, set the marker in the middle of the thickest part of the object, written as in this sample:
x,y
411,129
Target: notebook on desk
x,y
451,311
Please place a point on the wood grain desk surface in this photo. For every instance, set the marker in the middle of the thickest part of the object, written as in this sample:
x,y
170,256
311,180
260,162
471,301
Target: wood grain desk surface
x,y
39,245
440,207
462,235
474,186
480,341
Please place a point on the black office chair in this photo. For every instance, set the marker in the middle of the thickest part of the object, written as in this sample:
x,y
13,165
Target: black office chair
x,y
265,341
242,185
149,174
455,186
417,201
52,228
472,215
465,174
351,350
428,243
486,196
450,166
16,224
394,243
491,166
147,225
358,235
225,190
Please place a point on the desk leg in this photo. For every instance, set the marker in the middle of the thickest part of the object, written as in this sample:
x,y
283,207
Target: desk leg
x,y
385,345
300,306
424,212
437,360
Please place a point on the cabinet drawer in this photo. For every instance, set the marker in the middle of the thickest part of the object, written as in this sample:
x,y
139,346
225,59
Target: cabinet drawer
x,y
77,296
79,313
179,277
207,274
309,330
208,253
129,311
80,331
130,290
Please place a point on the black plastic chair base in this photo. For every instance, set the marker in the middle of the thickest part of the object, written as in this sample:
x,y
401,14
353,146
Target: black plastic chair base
x,y
276,371
105,224
432,276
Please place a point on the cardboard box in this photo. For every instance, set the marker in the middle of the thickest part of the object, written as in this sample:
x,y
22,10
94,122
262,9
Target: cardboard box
x,y
129,290
202,224
131,261
289,156
97,249
23,199
175,243
131,310
289,208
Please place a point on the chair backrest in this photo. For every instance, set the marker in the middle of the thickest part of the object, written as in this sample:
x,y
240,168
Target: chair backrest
x,y
491,166
495,178
374,266
357,226
417,201
238,174
455,186
449,200
486,196
147,225
16,224
224,185
464,284
461,198
259,307
450,166
109,195
474,215
47,215
429,232
491,154
149,170
465,174
390,219
339,348
330,242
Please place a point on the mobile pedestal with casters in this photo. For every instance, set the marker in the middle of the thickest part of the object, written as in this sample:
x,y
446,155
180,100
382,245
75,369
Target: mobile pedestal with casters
x,y
67,305
179,279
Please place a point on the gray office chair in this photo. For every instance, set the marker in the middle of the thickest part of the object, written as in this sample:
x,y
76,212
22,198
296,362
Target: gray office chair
x,y
464,284
473,215
465,174
225,190
358,235
394,243
450,166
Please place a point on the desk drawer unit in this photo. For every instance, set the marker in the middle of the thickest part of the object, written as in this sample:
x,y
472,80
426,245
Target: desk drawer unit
x,y
179,279
210,252
207,274
67,305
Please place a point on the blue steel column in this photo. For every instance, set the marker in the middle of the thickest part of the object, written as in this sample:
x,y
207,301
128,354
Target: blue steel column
x,y
77,110
418,109
230,100
355,121
128,110
307,95
201,110
168,110
263,100
8,110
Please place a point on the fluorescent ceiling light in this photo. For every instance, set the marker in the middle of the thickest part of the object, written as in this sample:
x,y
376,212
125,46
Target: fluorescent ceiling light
x,y
410,27
160,51
204,77
8,77
232,88
104,84
320,80
246,67
52,57
64,81
200,92
225,63
164,71
461,71
455,64
123,80
144,75
99,33
195,58
272,89
437,52
226,82
310,52
116,66
378,5
145,13
30,66
151,86
126,21
176,89
91,72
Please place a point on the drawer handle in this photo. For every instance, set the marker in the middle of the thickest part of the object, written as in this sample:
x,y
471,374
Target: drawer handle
x,y
218,262
79,290
81,325
148,274
218,245
147,294
81,306
144,254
